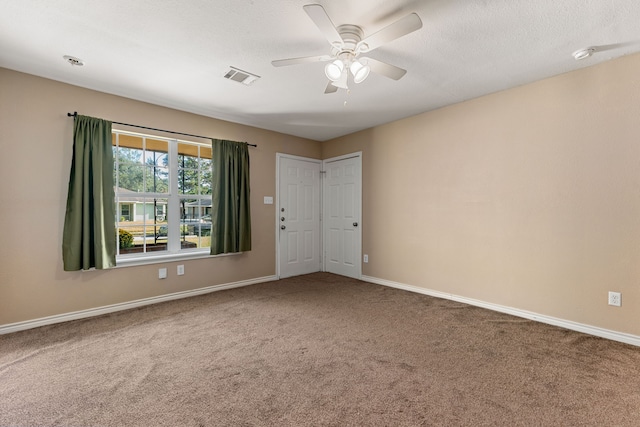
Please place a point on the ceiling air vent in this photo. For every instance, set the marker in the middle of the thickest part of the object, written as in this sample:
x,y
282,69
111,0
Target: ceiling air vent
x,y
241,76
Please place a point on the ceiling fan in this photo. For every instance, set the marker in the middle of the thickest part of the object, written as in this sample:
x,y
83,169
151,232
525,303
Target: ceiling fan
x,y
347,43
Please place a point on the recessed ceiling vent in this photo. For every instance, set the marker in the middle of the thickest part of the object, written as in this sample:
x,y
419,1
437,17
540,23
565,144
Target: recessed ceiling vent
x,y
241,76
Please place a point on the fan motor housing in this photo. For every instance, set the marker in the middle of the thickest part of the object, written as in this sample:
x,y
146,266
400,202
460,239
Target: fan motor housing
x,y
351,36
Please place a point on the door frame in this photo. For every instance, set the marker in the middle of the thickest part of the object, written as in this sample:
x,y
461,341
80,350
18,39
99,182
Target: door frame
x,y
280,156
323,183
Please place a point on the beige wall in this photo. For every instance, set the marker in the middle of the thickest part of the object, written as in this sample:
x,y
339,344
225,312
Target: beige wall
x,y
36,140
528,198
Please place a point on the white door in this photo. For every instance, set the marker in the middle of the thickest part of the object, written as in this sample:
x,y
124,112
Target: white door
x,y
342,207
298,216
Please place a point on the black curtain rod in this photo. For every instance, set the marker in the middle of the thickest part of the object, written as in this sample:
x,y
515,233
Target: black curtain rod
x,y
75,113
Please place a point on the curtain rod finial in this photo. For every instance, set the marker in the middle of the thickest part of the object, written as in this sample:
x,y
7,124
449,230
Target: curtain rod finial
x,y
75,113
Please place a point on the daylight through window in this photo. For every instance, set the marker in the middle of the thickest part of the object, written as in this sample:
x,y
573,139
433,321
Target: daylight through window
x,y
163,195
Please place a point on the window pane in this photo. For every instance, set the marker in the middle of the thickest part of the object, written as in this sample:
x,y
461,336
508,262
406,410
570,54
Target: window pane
x,y
130,240
205,165
205,223
195,223
159,227
194,174
161,175
187,162
205,187
131,177
129,155
125,239
156,152
155,224
188,181
206,176
205,206
160,207
157,179
161,232
189,209
202,235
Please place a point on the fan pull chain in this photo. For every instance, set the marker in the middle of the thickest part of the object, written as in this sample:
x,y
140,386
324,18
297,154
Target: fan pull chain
x,y
345,101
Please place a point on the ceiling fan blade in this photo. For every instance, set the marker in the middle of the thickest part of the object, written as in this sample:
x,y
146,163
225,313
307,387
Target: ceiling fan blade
x,y
303,60
385,69
330,88
318,15
402,27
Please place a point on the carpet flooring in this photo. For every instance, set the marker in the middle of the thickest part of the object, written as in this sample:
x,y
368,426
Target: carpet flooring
x,y
315,350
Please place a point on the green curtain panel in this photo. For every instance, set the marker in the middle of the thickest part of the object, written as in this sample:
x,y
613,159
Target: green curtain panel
x,y
231,213
89,237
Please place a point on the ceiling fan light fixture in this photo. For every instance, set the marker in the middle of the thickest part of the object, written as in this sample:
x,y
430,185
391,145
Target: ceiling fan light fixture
x,y
347,42
342,81
360,72
333,70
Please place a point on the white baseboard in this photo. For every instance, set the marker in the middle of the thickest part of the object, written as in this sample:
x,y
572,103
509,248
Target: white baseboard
x,y
567,324
82,314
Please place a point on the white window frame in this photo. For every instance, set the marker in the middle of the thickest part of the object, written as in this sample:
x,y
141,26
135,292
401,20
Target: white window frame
x,y
174,250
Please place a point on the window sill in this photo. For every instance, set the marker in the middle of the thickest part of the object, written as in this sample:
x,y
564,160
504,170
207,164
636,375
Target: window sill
x,y
131,261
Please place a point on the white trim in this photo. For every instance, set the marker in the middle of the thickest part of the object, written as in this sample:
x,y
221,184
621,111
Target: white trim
x,y
160,257
344,157
98,311
303,159
567,324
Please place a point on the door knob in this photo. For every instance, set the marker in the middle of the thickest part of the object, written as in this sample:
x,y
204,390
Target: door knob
x,y
355,224
282,227
281,218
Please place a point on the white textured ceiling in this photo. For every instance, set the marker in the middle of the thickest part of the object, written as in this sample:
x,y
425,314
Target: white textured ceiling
x,y
175,52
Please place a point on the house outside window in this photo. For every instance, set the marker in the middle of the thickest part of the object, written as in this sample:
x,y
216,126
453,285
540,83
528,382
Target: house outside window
x,y
163,195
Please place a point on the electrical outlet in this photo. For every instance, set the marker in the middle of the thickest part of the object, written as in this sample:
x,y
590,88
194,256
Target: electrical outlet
x,y
615,298
162,273
180,270
366,258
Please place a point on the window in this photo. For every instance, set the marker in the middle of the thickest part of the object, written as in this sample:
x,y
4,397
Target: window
x,y
125,212
163,194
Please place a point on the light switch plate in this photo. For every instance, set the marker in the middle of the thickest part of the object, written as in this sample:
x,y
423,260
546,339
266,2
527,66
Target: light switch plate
x,y
162,273
268,200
